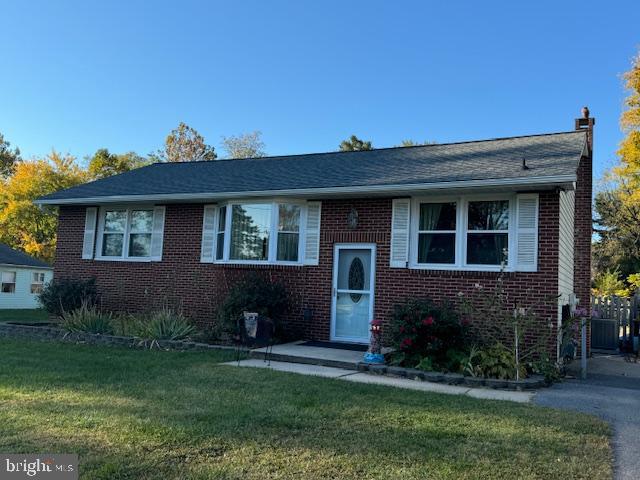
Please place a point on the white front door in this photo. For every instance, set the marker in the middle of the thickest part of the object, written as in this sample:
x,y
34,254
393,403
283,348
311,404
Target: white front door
x,y
353,282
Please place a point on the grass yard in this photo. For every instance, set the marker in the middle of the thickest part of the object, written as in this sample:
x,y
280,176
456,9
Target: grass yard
x,y
35,315
150,414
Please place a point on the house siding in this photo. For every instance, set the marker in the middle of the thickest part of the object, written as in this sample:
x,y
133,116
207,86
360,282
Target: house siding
x,y
22,297
198,288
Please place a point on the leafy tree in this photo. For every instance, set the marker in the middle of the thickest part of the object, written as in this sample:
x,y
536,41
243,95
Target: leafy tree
x,y
245,145
412,143
184,144
617,208
8,158
609,283
354,144
105,164
24,225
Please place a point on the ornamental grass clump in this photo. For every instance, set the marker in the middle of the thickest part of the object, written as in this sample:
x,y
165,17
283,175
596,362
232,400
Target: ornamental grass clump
x,y
163,324
87,319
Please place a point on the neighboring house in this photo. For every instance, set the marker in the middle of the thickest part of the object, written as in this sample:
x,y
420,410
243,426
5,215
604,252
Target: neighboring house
x,y
22,277
350,234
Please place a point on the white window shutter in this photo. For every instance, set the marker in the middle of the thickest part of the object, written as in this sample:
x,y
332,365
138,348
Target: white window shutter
x,y
157,234
312,234
527,233
400,232
208,233
89,239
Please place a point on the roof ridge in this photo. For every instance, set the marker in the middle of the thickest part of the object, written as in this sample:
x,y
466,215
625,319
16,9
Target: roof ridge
x,y
400,147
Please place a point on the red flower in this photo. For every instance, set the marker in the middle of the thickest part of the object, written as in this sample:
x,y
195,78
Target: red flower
x,y
402,329
428,321
465,322
407,342
414,330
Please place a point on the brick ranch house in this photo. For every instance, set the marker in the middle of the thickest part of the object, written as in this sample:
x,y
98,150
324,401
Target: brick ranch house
x,y
350,234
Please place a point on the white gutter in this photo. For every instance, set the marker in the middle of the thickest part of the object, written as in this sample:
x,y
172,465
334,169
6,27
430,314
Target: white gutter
x,y
527,182
15,265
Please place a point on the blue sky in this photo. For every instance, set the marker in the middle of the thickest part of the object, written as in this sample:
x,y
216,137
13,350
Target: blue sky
x,y
78,76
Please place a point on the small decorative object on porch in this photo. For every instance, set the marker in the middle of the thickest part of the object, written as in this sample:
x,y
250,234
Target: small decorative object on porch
x,y
374,354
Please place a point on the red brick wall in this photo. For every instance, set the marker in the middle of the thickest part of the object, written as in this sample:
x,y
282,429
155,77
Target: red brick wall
x,y
584,227
181,280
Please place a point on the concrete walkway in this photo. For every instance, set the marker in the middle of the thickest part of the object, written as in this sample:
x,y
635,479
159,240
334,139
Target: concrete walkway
x,y
297,352
359,377
612,392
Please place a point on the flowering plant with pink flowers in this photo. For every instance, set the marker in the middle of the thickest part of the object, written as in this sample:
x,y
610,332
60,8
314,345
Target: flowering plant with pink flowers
x,y
422,328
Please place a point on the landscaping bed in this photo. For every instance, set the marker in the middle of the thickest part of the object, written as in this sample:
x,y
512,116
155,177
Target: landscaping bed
x,y
530,383
44,332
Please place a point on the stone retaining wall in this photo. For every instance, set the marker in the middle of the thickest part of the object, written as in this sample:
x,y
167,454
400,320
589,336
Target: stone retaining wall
x,y
57,334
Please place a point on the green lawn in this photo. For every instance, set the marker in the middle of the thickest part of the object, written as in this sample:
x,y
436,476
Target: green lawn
x,y
150,414
26,315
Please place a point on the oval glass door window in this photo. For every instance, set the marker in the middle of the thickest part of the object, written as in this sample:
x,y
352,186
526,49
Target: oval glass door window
x,y
356,278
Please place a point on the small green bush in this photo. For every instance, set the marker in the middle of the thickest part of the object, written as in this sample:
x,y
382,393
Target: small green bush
x,y
88,319
60,296
421,328
497,361
163,324
254,293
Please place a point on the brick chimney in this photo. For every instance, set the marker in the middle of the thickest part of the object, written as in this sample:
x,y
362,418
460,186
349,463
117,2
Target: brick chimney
x,y
586,123
583,225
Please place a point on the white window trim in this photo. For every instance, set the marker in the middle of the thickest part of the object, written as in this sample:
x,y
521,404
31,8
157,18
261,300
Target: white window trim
x,y
273,232
462,203
41,284
14,283
127,231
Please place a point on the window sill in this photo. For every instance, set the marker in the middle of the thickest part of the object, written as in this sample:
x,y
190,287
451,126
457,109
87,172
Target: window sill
x,y
123,259
259,265
236,263
458,268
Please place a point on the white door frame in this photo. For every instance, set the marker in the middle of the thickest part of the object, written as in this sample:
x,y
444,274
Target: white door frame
x,y
334,286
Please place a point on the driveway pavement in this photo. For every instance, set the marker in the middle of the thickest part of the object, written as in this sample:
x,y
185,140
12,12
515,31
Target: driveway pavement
x,y
611,392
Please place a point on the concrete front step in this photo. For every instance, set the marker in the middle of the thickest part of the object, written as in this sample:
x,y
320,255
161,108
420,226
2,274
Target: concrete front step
x,y
323,362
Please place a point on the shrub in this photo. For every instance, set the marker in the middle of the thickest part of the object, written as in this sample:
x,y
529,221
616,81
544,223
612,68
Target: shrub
x,y
254,293
420,329
88,319
60,296
496,361
164,324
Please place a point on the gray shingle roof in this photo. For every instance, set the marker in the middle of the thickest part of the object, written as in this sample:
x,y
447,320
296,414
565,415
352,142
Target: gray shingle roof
x,y
548,155
9,256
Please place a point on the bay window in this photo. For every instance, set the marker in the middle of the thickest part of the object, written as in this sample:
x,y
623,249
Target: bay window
x,y
222,221
259,232
250,228
288,232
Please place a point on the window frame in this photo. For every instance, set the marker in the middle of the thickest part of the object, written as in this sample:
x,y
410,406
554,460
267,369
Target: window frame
x,y
14,283
437,232
462,217
40,284
124,257
273,231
